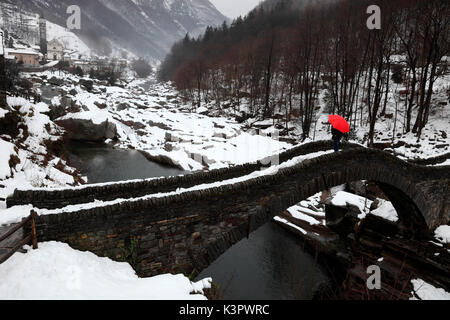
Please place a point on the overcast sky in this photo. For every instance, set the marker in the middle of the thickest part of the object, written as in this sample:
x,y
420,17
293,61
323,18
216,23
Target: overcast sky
x,y
235,8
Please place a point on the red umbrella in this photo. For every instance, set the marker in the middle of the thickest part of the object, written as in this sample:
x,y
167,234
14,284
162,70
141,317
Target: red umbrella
x,y
339,123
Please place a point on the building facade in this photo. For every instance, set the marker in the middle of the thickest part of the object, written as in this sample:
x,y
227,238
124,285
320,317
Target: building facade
x,y
55,50
28,57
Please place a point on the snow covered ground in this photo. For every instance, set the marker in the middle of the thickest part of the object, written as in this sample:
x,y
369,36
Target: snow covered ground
x,y
426,291
55,271
24,158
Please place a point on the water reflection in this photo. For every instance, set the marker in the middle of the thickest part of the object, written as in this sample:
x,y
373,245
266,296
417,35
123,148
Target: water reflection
x,y
101,163
270,265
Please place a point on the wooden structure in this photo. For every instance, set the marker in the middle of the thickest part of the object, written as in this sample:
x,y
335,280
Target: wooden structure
x,y
29,238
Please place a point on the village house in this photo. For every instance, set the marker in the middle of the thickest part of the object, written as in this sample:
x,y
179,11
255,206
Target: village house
x,y
27,56
9,56
101,64
121,65
85,65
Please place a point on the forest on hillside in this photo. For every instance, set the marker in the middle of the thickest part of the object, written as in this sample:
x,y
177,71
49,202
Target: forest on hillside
x,y
283,56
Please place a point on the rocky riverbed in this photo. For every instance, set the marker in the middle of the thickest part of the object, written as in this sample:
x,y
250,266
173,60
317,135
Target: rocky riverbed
x,y
350,233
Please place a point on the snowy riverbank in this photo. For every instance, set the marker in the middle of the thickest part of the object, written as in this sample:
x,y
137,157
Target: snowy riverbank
x,y
55,271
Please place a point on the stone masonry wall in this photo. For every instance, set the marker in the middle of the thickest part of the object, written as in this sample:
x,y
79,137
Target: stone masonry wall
x,y
52,199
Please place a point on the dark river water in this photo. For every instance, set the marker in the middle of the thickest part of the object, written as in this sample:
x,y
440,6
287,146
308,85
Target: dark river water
x,y
270,265
101,163
48,92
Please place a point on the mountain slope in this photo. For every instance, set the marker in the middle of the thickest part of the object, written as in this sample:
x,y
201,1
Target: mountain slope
x,y
144,27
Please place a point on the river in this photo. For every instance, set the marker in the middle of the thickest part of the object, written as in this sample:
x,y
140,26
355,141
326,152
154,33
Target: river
x,y
101,163
270,265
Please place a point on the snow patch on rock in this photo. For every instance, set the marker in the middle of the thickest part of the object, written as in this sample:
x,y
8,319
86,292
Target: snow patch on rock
x,y
442,234
426,291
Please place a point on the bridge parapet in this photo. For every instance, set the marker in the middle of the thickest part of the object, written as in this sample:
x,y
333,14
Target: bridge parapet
x,y
58,198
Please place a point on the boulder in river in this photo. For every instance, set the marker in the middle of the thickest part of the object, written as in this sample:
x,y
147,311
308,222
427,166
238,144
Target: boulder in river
x,y
122,106
88,84
56,81
56,111
87,130
37,80
67,102
341,220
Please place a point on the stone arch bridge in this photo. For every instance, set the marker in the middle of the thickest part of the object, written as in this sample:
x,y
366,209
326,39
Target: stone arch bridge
x,y
186,231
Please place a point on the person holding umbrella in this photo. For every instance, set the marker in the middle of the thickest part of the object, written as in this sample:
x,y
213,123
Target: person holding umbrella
x,y
340,126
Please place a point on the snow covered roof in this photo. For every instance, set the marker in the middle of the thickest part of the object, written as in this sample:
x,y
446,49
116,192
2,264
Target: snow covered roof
x,y
20,46
21,51
51,64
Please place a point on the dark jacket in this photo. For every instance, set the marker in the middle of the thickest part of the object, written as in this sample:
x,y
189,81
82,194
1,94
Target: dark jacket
x,y
337,135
